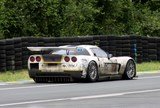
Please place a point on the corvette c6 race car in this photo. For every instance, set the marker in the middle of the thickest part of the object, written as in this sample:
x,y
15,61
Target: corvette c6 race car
x,y
77,62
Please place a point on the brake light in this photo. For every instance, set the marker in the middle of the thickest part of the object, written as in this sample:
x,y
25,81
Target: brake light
x,y
38,58
74,59
66,58
32,59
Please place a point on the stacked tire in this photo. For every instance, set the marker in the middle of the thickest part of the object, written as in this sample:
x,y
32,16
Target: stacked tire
x,y
103,42
138,43
125,45
133,52
145,55
10,54
97,41
126,48
139,49
48,42
84,40
59,41
40,42
25,51
158,49
2,56
18,53
112,45
32,42
152,49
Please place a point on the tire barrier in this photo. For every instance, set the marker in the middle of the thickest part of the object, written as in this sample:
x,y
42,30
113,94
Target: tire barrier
x,y
10,54
2,55
158,49
18,53
14,53
152,49
25,51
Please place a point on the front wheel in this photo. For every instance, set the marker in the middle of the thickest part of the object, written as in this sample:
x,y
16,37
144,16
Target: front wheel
x,y
92,72
130,70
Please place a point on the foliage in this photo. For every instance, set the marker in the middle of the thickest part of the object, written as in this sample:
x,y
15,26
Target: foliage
x,y
82,17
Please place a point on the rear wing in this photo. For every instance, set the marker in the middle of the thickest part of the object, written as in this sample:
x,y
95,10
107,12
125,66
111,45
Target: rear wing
x,y
50,48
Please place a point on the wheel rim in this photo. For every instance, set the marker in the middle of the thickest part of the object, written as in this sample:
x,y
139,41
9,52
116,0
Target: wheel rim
x,y
93,72
131,70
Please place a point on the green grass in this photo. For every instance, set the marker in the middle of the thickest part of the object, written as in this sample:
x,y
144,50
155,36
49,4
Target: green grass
x,y
148,66
10,76
14,76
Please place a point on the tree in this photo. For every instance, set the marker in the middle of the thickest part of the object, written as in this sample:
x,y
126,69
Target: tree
x,y
121,17
10,19
78,17
82,17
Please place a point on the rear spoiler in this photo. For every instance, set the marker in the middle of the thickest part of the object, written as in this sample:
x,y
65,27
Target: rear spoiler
x,y
50,48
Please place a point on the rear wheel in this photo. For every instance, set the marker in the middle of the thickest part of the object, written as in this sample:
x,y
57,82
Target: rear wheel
x,y
92,72
130,70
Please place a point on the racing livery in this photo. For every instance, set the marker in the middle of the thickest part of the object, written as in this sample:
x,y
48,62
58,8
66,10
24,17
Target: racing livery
x,y
87,62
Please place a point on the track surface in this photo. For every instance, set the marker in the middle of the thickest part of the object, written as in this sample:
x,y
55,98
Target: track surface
x,y
142,92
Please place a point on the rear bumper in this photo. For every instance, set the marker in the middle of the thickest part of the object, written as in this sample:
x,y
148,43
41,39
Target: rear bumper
x,y
33,73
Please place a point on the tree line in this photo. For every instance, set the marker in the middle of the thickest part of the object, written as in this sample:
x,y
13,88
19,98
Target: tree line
x,y
79,17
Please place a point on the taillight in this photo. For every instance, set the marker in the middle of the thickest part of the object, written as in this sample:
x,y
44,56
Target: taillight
x,y
74,59
32,59
38,58
66,58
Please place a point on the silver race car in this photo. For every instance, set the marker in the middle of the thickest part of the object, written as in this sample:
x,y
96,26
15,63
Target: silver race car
x,y
77,62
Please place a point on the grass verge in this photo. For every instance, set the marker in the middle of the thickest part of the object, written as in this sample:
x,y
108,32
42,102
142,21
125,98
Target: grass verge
x,y
23,74
18,75
148,66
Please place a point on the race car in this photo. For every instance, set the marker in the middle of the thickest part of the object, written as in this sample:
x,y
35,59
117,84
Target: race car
x,y
76,62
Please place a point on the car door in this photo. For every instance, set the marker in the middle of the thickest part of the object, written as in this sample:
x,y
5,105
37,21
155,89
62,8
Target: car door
x,y
106,66
101,59
111,66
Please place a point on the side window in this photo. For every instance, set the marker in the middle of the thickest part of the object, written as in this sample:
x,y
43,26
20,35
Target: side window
x,y
82,51
99,52
78,51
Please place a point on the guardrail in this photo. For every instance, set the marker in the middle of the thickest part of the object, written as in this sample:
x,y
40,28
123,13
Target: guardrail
x,y
14,53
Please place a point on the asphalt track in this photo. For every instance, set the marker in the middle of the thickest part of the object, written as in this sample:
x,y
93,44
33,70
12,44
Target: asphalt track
x,y
142,92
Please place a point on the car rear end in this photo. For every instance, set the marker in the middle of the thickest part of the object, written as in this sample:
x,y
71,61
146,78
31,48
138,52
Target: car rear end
x,y
56,66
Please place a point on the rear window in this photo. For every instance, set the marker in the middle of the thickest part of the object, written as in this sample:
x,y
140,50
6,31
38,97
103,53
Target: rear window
x,y
77,51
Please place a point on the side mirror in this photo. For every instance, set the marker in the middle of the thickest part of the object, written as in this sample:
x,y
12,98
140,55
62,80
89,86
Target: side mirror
x,y
110,56
95,54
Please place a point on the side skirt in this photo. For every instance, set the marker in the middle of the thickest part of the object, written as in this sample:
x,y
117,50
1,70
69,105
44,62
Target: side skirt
x,y
110,77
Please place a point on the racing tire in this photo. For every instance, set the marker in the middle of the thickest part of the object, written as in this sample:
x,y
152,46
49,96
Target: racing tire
x,y
92,72
130,70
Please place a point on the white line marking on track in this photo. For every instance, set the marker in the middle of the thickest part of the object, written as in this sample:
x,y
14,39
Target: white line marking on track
x,y
32,102
96,96
80,98
114,94
28,87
